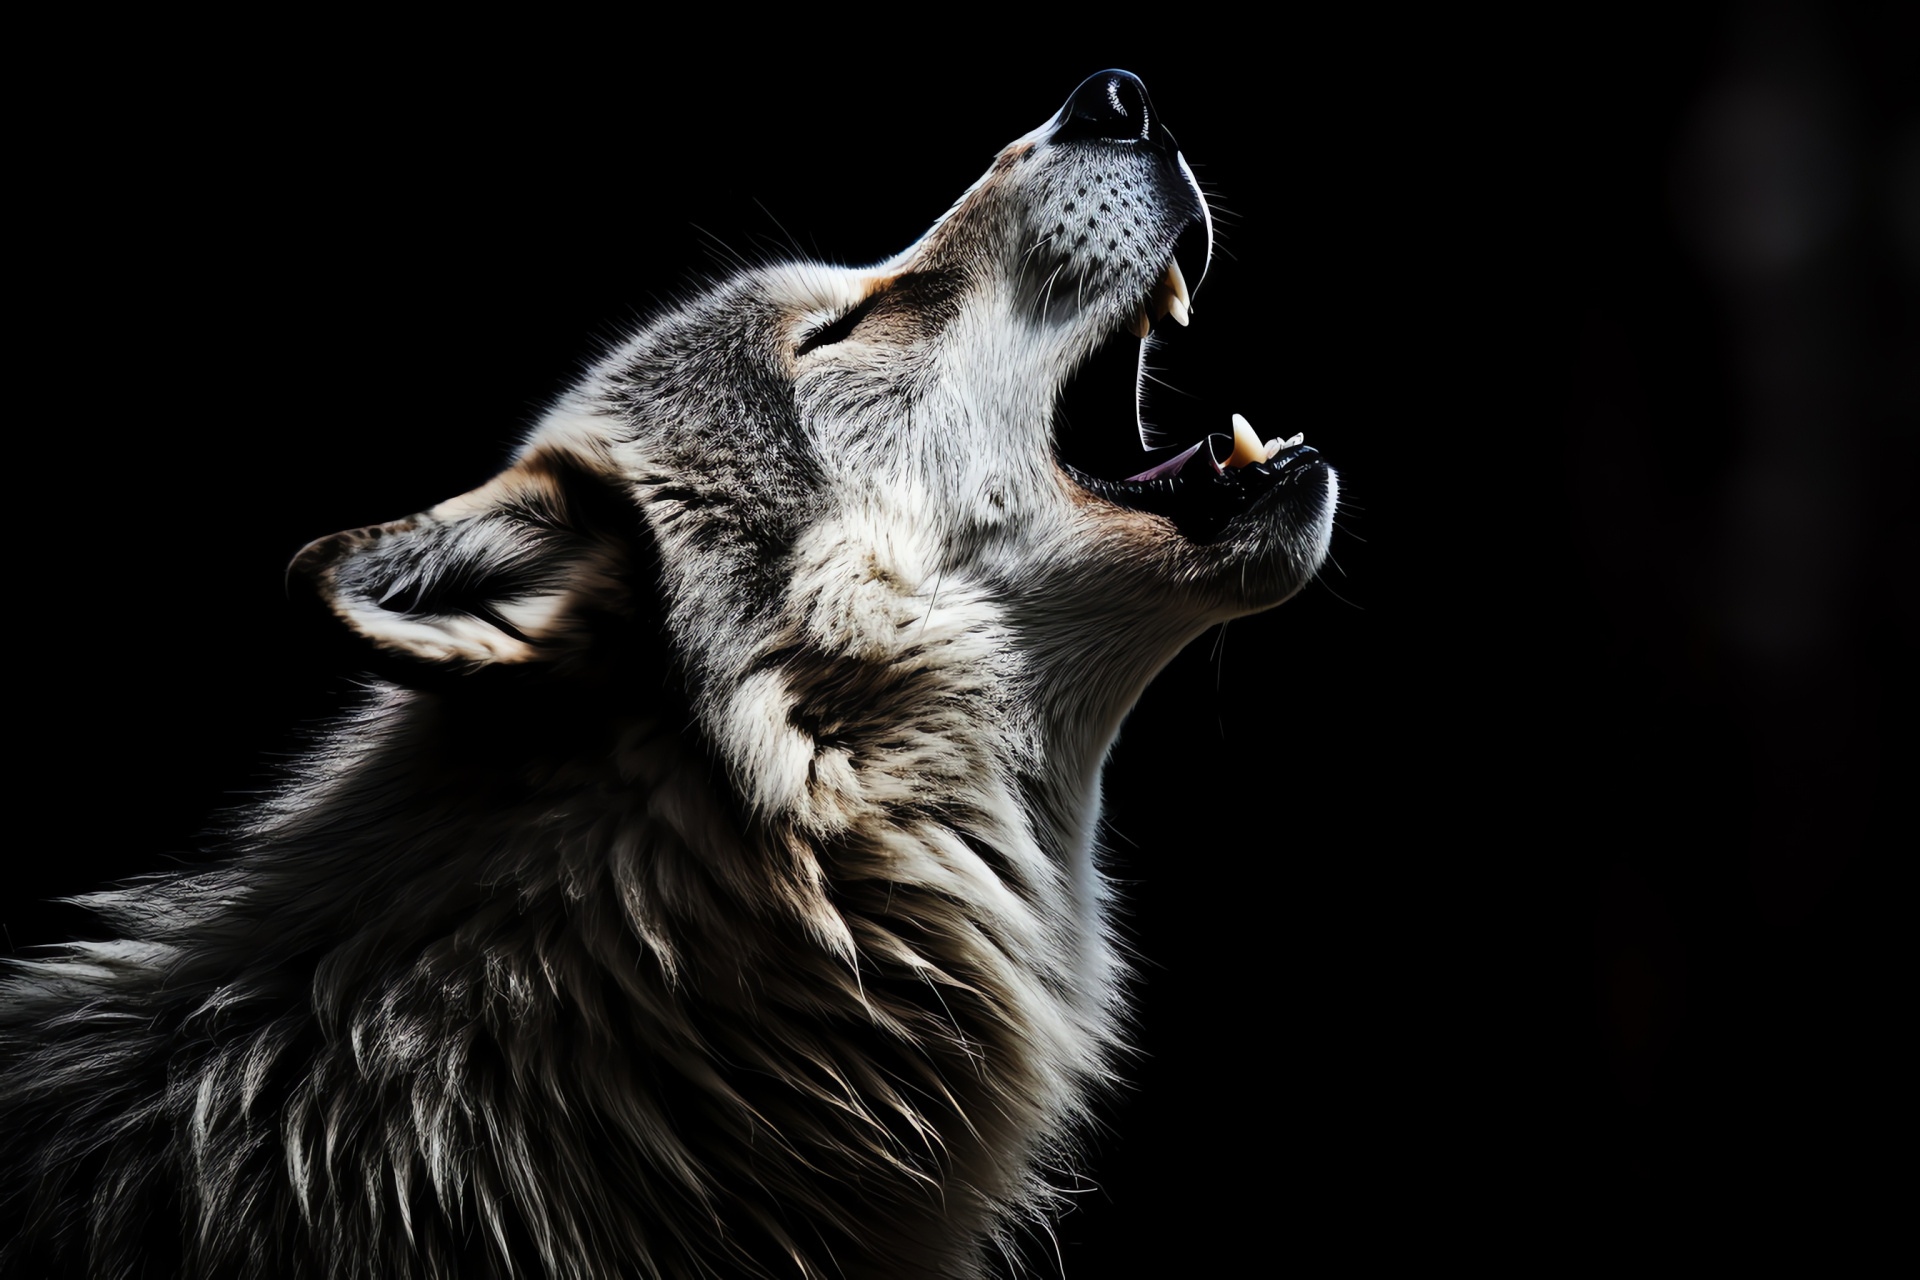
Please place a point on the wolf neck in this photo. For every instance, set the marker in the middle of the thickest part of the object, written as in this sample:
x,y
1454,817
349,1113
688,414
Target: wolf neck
x,y
895,708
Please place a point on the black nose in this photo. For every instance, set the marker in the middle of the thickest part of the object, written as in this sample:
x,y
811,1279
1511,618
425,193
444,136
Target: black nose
x,y
1112,106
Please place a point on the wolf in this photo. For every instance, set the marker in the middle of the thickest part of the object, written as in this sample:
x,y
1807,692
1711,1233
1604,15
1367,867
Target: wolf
x,y
707,884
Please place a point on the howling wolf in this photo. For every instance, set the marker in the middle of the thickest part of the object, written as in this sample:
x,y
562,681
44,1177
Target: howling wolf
x,y
707,885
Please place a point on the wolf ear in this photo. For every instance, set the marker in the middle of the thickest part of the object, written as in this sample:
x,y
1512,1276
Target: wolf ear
x,y
518,571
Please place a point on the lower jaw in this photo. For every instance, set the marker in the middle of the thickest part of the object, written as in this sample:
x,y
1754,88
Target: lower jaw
x,y
1203,496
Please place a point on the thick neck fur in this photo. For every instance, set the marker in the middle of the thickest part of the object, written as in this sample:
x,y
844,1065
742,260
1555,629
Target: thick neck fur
x,y
862,1002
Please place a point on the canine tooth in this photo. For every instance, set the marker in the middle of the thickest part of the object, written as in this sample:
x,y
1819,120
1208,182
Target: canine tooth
x,y
1170,296
1276,444
1246,445
1178,284
1142,324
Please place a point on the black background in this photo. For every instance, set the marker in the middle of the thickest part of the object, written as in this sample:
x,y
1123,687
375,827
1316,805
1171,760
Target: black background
x,y
1521,893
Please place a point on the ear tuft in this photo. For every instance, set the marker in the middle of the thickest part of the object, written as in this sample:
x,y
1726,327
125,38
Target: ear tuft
x,y
514,572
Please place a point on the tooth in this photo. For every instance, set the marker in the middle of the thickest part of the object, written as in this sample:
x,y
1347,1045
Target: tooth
x,y
1177,284
1276,444
1170,296
1142,324
1246,445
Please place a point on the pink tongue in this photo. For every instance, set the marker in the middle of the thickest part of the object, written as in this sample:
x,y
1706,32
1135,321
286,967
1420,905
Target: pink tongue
x,y
1172,466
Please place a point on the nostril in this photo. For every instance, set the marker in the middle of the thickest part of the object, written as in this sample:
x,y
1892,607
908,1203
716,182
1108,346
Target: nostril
x,y
1111,106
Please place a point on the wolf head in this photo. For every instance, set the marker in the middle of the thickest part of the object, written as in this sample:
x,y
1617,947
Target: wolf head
x,y
825,466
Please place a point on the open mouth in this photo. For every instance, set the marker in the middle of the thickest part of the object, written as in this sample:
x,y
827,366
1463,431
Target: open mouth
x,y
1201,486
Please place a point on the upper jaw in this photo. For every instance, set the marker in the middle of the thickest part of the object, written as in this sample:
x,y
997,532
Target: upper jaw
x,y
1170,297
1148,184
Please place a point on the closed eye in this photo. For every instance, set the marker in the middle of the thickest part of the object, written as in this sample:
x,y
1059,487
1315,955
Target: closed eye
x,y
838,330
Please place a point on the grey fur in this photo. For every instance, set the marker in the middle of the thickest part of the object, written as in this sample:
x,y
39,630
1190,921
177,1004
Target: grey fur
x,y
711,889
